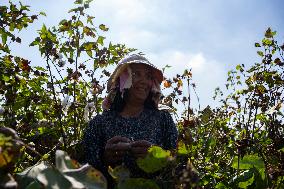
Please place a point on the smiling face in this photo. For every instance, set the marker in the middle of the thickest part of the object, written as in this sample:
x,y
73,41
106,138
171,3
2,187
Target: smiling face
x,y
141,82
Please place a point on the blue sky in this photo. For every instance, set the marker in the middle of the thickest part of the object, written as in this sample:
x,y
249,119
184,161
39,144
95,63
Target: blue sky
x,y
211,37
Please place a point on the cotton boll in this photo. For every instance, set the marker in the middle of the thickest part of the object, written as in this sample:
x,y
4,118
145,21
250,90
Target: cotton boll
x,y
87,109
65,103
60,56
2,110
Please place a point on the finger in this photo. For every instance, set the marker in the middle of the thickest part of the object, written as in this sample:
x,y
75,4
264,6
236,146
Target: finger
x,y
117,154
110,157
121,146
139,150
117,139
114,155
140,155
141,143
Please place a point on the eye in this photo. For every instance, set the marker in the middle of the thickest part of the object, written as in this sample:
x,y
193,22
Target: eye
x,y
140,75
135,74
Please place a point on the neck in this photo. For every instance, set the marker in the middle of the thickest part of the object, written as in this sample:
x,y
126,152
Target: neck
x,y
132,109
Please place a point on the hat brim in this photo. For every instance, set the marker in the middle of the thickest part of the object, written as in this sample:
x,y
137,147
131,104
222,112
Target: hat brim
x,y
158,74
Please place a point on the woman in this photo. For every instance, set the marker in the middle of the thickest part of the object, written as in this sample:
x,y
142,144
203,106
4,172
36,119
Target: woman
x,y
131,121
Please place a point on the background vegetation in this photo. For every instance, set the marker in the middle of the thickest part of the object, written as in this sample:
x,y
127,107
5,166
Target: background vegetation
x,y
44,110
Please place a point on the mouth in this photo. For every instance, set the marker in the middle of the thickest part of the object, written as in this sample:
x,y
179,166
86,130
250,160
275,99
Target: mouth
x,y
141,88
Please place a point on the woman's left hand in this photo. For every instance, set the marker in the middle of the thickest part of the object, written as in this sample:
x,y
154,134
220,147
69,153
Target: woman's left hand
x,y
140,148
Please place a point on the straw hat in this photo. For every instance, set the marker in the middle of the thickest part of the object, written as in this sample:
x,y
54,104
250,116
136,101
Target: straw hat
x,y
123,74
133,59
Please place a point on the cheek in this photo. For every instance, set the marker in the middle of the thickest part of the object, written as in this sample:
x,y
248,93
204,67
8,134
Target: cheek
x,y
151,83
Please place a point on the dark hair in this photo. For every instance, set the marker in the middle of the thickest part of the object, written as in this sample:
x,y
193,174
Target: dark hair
x,y
119,102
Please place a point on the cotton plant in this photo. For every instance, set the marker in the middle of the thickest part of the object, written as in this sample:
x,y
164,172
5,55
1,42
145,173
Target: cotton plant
x,y
66,103
89,107
2,110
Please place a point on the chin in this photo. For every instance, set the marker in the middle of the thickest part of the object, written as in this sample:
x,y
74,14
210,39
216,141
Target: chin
x,y
141,97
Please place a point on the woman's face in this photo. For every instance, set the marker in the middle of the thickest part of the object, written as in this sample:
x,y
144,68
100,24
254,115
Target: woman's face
x,y
141,82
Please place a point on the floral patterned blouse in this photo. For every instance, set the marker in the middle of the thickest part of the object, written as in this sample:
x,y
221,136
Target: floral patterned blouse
x,y
155,126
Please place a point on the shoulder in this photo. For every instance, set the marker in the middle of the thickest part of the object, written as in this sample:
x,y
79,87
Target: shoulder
x,y
163,115
102,118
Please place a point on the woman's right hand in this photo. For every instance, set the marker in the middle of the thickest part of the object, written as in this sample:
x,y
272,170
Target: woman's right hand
x,y
115,149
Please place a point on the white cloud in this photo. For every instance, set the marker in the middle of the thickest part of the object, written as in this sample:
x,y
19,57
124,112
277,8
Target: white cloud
x,y
207,74
138,24
135,38
122,12
188,34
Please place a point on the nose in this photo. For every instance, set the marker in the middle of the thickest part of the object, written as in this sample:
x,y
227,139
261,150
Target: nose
x,y
145,81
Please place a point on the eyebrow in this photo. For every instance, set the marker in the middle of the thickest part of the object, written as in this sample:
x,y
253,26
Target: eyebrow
x,y
139,70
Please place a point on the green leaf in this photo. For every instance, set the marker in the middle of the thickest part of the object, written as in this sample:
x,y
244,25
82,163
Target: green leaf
x,y
182,149
90,19
242,177
247,183
138,183
12,27
281,150
29,175
39,68
42,13
103,27
62,22
86,177
52,178
260,53
248,161
78,2
4,37
156,159
259,178
238,67
101,40
257,45
206,114
267,42
269,33
119,172
19,104
63,161
6,78
89,52
220,185
43,29
83,177
212,142
34,185
262,117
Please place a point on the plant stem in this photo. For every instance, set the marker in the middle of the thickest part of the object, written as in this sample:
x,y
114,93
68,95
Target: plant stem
x,y
56,104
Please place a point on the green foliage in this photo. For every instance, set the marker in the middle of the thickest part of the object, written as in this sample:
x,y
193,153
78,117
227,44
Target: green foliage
x,y
236,145
138,183
247,162
156,159
119,173
13,18
66,174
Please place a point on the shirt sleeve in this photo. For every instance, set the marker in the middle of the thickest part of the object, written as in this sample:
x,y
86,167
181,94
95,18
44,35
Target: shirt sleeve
x,y
93,143
170,132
